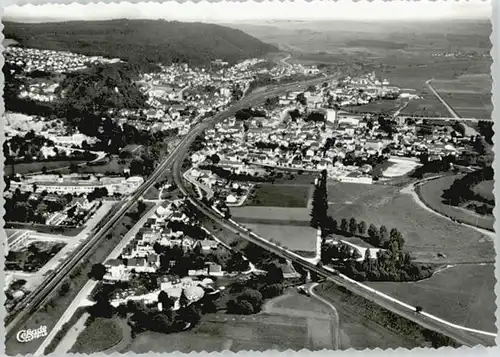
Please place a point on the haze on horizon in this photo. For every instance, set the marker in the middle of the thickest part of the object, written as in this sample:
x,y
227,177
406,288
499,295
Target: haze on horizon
x,y
253,11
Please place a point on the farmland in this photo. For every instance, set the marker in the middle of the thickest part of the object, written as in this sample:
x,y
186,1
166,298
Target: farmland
x,y
218,332
426,234
295,238
280,195
271,215
461,294
431,193
468,95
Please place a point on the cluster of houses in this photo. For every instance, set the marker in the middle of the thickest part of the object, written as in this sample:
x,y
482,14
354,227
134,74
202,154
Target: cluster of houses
x,y
342,143
139,257
34,59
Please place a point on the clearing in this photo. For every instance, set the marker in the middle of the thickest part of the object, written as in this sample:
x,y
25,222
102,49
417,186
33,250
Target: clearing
x,y
100,335
295,238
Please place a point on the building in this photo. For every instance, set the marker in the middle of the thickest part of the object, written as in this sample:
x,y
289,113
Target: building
x,y
331,115
78,184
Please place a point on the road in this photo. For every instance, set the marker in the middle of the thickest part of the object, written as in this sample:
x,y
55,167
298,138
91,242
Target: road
x,y
465,336
43,293
336,322
438,96
91,284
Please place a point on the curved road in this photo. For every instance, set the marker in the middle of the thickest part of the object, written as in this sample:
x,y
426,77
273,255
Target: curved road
x,y
465,336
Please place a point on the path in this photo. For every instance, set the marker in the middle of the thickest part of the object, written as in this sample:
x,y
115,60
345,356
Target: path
x,y
438,96
71,336
336,325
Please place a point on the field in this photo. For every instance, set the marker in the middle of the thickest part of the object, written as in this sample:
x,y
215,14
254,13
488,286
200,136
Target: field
x,y
235,333
399,167
100,335
280,196
425,233
33,167
485,189
379,106
295,238
431,192
462,294
359,328
468,95
271,215
291,321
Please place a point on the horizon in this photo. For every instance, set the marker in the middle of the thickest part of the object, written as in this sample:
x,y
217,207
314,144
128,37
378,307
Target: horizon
x,y
251,11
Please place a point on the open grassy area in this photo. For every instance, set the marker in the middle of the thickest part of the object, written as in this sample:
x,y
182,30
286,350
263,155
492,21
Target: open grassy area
x,y
367,325
430,193
100,335
33,167
469,95
280,195
425,233
114,165
270,215
485,189
295,238
462,294
259,332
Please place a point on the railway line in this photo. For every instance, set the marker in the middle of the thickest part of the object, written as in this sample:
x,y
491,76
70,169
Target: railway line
x,y
43,293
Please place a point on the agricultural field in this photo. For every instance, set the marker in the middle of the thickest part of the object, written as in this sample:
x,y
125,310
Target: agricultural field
x,y
462,294
380,106
272,215
430,193
280,195
218,332
426,234
468,95
295,238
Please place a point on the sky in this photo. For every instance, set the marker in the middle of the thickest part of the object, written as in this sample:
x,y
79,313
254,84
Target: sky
x,y
250,10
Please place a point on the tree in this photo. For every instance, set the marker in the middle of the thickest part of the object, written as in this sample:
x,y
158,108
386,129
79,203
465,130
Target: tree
x,y
344,225
242,307
253,296
362,228
353,226
97,271
384,236
274,274
166,301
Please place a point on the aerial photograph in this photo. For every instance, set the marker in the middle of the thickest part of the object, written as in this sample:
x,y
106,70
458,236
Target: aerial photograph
x,y
248,176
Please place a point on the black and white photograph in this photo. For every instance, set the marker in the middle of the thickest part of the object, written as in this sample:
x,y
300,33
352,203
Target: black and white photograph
x,y
248,176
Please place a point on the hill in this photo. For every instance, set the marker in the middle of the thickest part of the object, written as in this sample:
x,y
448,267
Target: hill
x,y
154,41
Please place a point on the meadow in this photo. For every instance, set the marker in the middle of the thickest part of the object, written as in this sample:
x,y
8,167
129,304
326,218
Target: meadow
x,y
426,234
280,195
468,95
462,294
218,332
430,193
295,238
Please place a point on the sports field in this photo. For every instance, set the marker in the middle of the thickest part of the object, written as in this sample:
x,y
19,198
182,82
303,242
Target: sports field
x,y
280,195
431,193
462,294
426,234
